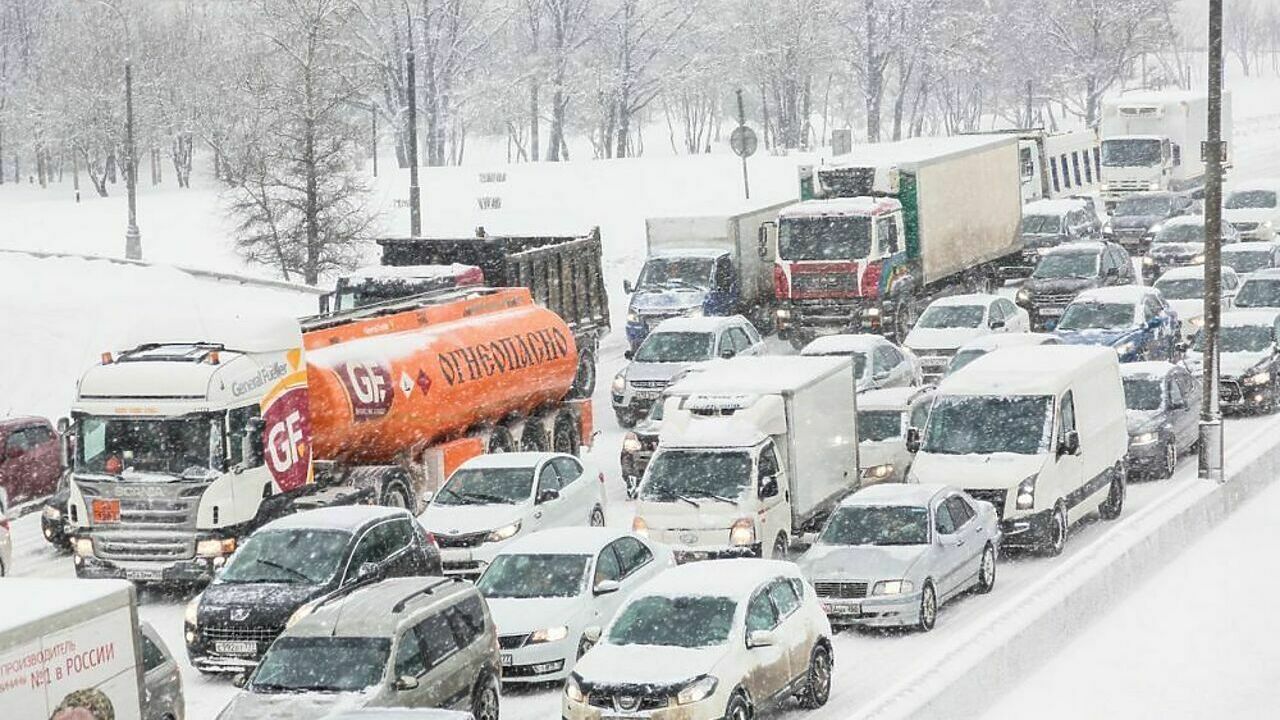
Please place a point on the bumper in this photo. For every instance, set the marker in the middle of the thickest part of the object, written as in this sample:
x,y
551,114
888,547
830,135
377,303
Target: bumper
x,y
190,570
1026,531
881,611
685,555
544,662
635,402
204,659
1235,396
1148,456
469,563
1135,244
710,709
807,319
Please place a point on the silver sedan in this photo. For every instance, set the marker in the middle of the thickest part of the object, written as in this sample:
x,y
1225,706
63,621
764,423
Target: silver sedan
x,y
891,555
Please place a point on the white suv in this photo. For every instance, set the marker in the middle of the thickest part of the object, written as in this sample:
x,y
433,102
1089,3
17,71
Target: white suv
x,y
1253,209
716,639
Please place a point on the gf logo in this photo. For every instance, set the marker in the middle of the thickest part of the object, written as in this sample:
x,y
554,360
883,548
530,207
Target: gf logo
x,y
283,441
368,386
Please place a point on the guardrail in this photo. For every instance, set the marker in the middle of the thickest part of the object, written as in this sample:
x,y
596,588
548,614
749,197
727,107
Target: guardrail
x,y
194,272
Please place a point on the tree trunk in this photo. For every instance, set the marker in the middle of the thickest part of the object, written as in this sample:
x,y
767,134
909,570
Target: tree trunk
x,y
1,156
873,90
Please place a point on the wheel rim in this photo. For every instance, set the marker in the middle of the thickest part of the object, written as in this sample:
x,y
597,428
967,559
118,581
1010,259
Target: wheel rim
x,y
488,709
779,548
597,518
988,567
1059,528
821,680
1170,458
740,712
929,607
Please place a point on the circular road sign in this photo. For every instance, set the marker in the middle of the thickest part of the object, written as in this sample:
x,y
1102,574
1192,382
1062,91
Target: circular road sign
x,y
743,141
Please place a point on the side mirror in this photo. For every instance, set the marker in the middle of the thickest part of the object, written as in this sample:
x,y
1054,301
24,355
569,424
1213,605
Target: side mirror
x,y
64,424
240,680
368,570
628,354
996,324
882,375
604,587
592,634
727,353
768,486
547,495
627,287
428,495
1070,443
406,682
759,638
326,300
913,440
762,238
253,447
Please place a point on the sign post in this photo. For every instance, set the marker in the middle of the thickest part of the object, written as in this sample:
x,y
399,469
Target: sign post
x,y
743,141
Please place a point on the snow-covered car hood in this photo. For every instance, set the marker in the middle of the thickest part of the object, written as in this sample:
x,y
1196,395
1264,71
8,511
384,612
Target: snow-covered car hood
x,y
1238,363
463,519
942,338
647,664
1042,240
515,616
1097,336
1167,250
994,471
1189,308
291,706
651,371
859,562
1140,421
710,515
1129,222
1058,285
265,599
1253,215
667,300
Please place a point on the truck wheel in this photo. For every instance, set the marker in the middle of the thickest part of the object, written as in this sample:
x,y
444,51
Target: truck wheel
x,y
987,570
565,438
1114,504
779,548
394,494
584,382
500,440
533,438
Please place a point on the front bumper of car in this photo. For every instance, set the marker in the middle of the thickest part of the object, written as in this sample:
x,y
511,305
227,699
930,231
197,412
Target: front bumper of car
x,y
1147,456
603,705
1234,395
470,563
874,610
636,401
540,662
179,572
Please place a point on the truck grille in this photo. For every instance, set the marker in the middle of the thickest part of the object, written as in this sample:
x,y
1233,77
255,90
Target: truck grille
x,y
995,497
263,635
841,590
815,283
167,513
1245,226
468,540
1127,186
143,547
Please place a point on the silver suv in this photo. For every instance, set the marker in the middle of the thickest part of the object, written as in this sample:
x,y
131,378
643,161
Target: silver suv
x,y
403,642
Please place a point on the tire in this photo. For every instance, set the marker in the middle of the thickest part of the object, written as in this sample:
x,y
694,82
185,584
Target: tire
x,y
797,343
780,545
738,708
1056,542
501,441
485,699
583,646
1170,456
564,439
396,495
1111,508
584,381
928,608
817,686
532,440
626,419
597,517
986,570
904,317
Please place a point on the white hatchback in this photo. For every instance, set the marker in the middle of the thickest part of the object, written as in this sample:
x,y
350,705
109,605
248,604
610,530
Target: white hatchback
x,y
492,499
550,591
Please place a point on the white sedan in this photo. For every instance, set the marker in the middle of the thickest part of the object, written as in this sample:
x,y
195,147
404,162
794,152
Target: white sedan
x,y
950,322
492,499
877,362
550,591
1183,288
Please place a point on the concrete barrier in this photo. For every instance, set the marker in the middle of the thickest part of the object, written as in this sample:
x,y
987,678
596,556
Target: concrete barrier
x,y
990,659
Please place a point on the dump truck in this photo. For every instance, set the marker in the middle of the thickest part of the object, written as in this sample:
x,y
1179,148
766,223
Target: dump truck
x,y
879,234
185,445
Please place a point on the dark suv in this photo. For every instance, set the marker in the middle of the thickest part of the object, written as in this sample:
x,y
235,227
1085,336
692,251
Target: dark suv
x,y
30,458
1067,270
292,561
1134,220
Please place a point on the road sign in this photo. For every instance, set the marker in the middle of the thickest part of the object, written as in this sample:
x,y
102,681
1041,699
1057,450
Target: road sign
x,y
743,141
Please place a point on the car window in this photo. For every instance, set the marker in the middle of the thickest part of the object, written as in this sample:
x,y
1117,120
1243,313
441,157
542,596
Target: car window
x,y
887,233
376,545
548,479
741,343
409,660
152,656
1176,397
961,513
568,469
1151,307
17,441
1009,308
769,462
1108,261
607,565
996,312
761,614
942,520
38,435
632,553
784,597
467,620
237,421
920,412
437,639
1066,416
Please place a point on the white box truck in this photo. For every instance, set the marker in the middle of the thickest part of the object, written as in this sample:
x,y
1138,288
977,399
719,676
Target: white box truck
x,y
1151,141
69,649
893,226
753,451
718,264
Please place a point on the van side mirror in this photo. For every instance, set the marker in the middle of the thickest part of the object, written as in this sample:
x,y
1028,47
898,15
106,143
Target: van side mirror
x,y
627,287
996,324
913,440
406,682
762,238
592,634
727,353
547,495
768,486
1070,443
628,354
64,424
759,638
368,570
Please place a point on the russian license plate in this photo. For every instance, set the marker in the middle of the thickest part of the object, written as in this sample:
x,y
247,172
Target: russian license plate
x,y
144,574
644,395
1051,311
235,647
106,510
507,660
455,555
834,609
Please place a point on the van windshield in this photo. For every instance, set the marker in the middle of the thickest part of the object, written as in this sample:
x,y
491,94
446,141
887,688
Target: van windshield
x,y
984,424
824,238
676,271
676,475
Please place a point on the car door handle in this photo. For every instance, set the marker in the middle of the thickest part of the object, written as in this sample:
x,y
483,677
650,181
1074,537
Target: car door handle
x,y
960,542
537,515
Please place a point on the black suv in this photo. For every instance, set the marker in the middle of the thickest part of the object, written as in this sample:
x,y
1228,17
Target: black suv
x,y
1133,220
1067,270
291,561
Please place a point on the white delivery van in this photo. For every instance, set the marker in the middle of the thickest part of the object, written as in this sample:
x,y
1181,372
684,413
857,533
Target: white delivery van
x,y
69,648
1039,432
752,451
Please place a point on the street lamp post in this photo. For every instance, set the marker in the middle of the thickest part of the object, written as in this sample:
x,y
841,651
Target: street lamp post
x,y
415,212
1210,412
132,236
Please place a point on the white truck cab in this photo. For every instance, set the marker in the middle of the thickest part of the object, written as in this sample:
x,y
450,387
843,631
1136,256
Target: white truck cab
x,y
752,452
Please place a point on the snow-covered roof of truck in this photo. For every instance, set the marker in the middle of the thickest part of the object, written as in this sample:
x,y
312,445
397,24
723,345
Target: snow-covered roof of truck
x,y
32,600
840,207
917,150
1058,206
1041,370
767,374
692,252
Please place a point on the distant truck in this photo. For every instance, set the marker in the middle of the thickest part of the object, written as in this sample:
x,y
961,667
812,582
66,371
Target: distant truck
x,y
185,445
70,649
752,453
879,234
1151,141
1055,164
705,265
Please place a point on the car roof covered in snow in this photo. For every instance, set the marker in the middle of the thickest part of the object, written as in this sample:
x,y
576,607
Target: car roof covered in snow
x,y
705,324
1195,220
893,398
1040,370
1128,294
509,460
844,344
1250,317
1078,246
1147,368
341,517
999,340
1186,272
371,610
836,207
565,541
967,299
764,374
1272,184
735,578
915,494
1057,206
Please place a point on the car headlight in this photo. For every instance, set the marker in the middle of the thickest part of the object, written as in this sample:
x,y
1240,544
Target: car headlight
x,y
892,587
871,312
84,547
1197,259
631,443
633,317
620,383
1023,297
1026,498
298,614
1106,229
1124,348
505,532
573,690
1260,378
1153,185
1197,320
743,532
877,472
639,526
215,547
696,690
1148,260
1145,438
51,512
551,634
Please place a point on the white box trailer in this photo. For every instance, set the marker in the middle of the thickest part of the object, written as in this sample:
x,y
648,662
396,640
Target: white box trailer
x,y
69,644
1151,140
793,418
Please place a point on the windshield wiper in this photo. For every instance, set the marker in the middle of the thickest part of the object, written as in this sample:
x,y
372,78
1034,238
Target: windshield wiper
x,y
669,495
721,498
286,568
484,498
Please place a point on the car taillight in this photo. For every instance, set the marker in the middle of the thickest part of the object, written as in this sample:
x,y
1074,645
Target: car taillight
x,y
781,286
4,523
431,539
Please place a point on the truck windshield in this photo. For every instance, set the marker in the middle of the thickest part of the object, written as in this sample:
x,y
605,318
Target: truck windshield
x,y
188,445
677,474
877,425
888,525
1246,261
952,316
1067,265
675,347
824,238
534,576
982,424
1041,224
298,556
1180,234
1242,199
687,622
1097,316
1259,293
1240,339
1181,289
322,664
1131,152
487,486
1137,205
676,271
1143,393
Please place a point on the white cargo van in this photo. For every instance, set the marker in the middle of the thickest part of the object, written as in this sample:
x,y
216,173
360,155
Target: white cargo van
x,y
68,646
1039,432
752,451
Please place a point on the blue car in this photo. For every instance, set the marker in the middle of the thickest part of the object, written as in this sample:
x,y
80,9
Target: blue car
x,y
1133,320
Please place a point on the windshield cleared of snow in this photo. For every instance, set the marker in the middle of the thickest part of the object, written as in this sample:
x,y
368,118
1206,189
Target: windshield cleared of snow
x,y
1242,199
1041,224
172,446
879,424
877,525
487,486
1240,338
1181,288
977,424
675,475
1258,293
675,347
1246,261
688,622
675,272
1130,152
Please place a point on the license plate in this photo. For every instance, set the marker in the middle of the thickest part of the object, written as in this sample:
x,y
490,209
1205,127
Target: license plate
x,y
646,394
235,647
1051,312
507,660
834,609
455,555
144,574
106,510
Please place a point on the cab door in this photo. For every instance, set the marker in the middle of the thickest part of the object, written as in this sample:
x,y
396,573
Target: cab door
x,y
1067,467
769,663
775,497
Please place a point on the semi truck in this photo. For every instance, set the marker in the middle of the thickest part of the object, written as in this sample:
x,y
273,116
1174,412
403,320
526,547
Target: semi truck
x,y
70,649
185,444
705,265
1151,141
752,453
881,233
